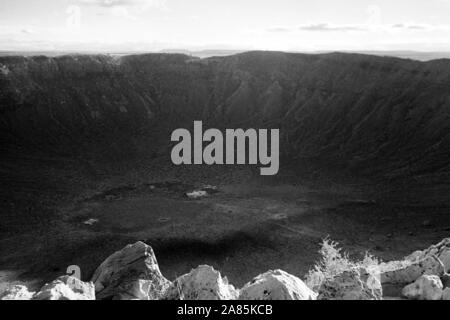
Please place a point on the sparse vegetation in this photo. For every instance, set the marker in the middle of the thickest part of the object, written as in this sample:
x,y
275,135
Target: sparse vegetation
x,y
333,262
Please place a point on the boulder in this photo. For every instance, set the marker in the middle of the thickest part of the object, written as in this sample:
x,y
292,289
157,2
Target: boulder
x,y
446,294
276,285
440,250
425,288
66,288
396,275
197,194
444,256
17,292
416,255
353,284
202,283
136,290
131,273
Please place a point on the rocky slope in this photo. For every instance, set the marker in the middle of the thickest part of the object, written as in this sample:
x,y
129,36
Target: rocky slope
x,y
133,274
379,115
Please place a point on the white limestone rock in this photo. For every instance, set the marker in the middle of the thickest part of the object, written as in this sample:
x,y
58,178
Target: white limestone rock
x,y
415,256
202,283
276,285
17,292
440,250
66,288
425,288
444,256
131,273
354,284
197,194
396,275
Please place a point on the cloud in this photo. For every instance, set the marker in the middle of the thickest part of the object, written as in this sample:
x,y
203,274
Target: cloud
x,y
318,27
128,9
17,31
373,23
159,4
411,26
329,27
280,29
106,3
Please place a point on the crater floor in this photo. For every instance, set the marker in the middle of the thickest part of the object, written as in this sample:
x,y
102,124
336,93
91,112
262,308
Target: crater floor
x,y
246,228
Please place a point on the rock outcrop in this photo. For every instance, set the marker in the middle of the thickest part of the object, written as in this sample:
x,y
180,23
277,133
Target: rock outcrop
x,y
66,288
425,288
440,250
355,284
17,292
276,285
202,283
398,274
131,273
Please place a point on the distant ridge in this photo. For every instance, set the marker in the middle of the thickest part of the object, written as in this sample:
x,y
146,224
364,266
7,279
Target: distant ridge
x,y
405,54
389,116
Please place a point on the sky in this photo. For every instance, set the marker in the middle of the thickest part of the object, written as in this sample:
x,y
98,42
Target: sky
x,y
286,25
